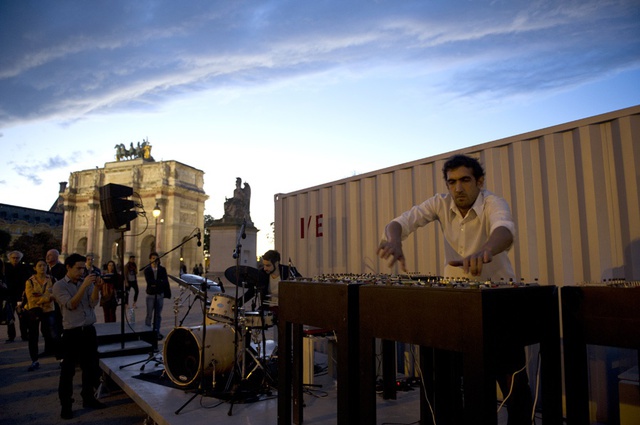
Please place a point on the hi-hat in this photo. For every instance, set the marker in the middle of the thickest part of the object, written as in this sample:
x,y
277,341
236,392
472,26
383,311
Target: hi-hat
x,y
246,276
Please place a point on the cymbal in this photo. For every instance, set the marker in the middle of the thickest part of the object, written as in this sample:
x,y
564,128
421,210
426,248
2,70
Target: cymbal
x,y
239,275
192,288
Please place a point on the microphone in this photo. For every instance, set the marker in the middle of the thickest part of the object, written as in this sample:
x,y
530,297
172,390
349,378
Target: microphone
x,y
199,236
221,285
244,224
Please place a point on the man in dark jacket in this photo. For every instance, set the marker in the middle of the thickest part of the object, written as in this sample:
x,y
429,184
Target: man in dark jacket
x,y
15,277
157,290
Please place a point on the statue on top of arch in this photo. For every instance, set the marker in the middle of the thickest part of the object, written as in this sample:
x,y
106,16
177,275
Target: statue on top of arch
x,y
237,208
142,150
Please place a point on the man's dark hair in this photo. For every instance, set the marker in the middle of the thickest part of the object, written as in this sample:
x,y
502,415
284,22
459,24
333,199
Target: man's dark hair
x,y
71,260
272,255
463,161
152,254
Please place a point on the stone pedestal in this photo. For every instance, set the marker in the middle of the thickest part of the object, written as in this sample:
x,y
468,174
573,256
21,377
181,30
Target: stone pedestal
x,y
223,238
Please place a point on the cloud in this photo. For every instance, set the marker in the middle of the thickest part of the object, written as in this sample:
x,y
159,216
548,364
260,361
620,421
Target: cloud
x,y
56,162
67,60
34,178
26,170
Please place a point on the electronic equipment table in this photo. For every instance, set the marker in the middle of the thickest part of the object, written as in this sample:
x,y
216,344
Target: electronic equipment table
x,y
325,305
473,321
600,315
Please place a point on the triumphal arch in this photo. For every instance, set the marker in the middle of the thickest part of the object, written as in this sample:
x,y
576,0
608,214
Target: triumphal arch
x,y
174,190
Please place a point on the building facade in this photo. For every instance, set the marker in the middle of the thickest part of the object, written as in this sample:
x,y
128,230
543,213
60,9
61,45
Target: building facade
x,y
20,220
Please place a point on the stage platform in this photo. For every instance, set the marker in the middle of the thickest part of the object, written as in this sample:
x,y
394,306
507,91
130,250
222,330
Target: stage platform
x,y
161,402
137,338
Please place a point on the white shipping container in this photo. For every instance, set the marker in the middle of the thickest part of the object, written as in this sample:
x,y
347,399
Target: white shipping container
x,y
574,191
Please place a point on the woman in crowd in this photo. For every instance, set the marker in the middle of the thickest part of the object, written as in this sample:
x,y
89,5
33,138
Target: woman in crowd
x,y
39,309
108,300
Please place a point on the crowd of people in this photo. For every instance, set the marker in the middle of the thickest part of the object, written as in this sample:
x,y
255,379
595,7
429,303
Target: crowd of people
x,y
58,300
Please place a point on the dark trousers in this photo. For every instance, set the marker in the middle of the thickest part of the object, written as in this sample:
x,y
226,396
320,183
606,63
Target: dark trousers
x,y
10,318
51,330
79,346
133,284
33,325
50,333
23,317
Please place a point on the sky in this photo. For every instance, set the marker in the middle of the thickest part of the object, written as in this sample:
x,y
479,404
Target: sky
x,y
290,94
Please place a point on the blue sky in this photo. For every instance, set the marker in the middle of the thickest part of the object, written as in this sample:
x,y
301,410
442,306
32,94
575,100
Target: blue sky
x,y
292,94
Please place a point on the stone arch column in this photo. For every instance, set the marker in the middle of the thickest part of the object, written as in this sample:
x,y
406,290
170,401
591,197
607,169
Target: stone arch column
x,y
92,226
66,225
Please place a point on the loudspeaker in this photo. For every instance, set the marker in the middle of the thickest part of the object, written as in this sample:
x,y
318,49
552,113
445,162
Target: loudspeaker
x,y
114,206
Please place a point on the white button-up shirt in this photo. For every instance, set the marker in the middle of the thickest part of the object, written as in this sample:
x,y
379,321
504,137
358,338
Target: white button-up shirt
x,y
465,235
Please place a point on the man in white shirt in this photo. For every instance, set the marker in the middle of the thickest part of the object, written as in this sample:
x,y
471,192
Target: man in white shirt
x,y
478,231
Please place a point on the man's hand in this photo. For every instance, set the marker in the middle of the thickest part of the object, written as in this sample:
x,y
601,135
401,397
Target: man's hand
x,y
92,279
392,249
473,263
499,240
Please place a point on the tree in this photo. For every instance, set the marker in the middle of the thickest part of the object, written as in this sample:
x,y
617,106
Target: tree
x,y
208,221
5,240
35,247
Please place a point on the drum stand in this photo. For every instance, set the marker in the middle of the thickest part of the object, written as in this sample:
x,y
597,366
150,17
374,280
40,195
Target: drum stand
x,y
239,391
200,390
261,362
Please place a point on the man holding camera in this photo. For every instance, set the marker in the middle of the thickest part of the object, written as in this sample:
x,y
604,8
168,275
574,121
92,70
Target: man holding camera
x,y
78,295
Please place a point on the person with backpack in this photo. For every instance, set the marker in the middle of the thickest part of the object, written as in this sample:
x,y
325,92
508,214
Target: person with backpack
x,y
39,309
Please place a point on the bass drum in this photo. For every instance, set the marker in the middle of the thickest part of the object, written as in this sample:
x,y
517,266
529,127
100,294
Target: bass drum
x,y
183,348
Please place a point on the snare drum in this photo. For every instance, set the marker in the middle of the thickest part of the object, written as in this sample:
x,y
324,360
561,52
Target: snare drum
x,y
252,319
222,308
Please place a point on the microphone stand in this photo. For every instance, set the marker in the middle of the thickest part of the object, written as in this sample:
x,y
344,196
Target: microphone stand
x,y
238,329
154,345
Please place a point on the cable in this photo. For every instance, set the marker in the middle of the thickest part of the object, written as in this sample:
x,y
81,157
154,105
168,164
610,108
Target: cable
x,y
423,386
511,386
535,399
142,213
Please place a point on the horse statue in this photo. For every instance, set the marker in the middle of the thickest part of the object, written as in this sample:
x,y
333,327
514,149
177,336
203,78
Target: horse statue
x,y
121,151
140,151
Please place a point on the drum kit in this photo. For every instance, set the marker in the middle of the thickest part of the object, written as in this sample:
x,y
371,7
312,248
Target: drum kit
x,y
226,348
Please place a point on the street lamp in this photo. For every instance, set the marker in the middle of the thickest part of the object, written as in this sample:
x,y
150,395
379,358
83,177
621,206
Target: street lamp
x,y
156,214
